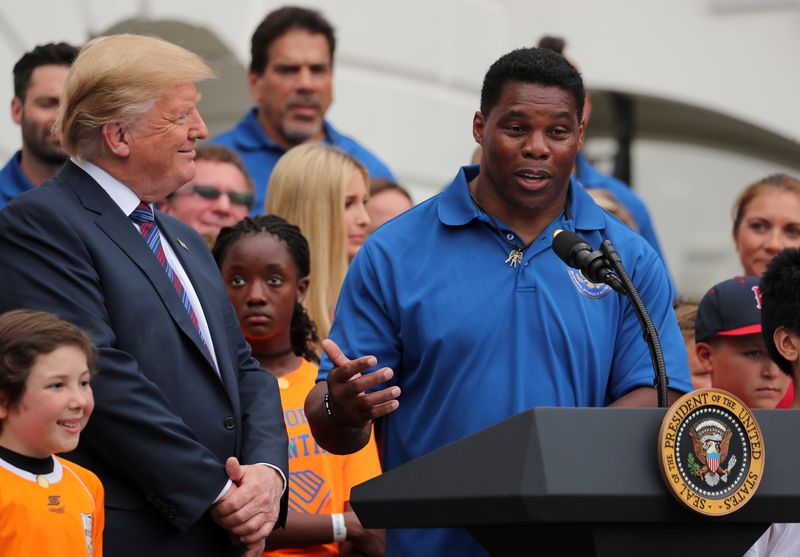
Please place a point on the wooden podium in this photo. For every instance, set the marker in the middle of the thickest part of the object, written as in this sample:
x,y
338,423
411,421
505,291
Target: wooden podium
x,y
577,482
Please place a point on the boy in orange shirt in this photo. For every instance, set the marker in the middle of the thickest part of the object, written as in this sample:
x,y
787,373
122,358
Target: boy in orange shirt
x,y
48,506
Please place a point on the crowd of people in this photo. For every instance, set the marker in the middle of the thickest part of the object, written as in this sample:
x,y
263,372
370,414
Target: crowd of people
x,y
257,323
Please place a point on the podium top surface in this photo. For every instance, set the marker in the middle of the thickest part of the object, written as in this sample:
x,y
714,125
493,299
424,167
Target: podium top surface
x,y
567,465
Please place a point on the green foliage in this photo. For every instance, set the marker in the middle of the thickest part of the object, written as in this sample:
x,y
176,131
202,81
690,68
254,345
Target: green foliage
x,y
694,466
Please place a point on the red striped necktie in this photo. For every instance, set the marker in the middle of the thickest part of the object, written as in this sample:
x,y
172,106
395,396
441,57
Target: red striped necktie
x,y
143,216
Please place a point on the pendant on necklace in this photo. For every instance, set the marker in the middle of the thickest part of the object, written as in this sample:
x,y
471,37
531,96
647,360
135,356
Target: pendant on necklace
x,y
514,257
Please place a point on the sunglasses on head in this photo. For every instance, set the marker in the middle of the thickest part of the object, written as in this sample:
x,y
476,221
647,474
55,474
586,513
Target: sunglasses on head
x,y
212,192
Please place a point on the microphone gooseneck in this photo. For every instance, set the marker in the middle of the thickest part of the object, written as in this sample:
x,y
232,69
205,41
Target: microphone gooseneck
x,y
605,266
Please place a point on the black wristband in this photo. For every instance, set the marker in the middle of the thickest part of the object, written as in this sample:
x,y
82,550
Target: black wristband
x,y
329,412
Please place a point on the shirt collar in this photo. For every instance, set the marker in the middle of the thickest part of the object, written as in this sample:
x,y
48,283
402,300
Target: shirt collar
x,y
456,207
121,194
253,136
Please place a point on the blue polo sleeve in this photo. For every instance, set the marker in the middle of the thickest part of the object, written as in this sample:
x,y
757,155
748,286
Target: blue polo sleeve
x,y
632,364
366,321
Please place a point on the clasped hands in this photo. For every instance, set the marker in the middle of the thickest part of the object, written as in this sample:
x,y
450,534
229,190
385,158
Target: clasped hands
x,y
250,507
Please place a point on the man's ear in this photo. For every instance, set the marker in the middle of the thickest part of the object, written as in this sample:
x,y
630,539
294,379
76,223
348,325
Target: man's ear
x,y
116,139
587,108
478,123
252,87
16,110
787,343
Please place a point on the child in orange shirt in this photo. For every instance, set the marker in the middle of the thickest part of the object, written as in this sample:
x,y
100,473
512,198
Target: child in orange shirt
x,y
265,267
48,506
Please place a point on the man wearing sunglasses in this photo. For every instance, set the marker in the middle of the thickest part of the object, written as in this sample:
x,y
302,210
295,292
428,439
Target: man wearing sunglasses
x,y
220,194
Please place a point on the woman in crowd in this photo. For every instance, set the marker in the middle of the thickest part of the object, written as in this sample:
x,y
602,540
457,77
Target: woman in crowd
x,y
766,220
323,191
265,267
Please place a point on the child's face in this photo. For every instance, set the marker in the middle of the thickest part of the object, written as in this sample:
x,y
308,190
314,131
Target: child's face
x,y
741,365
261,278
54,408
356,217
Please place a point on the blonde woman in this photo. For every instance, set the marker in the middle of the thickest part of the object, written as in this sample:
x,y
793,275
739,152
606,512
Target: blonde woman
x,y
323,191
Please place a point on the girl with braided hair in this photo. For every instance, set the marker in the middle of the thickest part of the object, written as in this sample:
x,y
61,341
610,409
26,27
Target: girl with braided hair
x,y
265,266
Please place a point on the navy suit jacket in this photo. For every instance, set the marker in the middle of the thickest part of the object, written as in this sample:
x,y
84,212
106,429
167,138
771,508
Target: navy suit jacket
x,y
164,421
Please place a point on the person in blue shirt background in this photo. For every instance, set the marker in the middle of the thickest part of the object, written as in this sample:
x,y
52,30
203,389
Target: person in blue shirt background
x,y
291,82
473,315
590,177
39,77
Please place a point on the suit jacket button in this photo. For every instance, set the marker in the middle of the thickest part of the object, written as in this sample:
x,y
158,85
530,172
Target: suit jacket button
x,y
172,514
229,422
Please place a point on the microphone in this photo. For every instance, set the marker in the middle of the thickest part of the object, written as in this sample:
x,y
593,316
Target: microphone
x,y
575,252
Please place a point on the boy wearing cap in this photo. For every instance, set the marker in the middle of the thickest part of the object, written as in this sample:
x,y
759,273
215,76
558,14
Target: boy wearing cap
x,y
730,346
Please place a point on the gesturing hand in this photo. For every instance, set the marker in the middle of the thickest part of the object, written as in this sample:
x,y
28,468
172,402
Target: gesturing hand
x,y
351,405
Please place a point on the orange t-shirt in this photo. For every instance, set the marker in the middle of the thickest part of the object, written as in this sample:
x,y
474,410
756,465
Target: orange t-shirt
x,y
319,482
60,513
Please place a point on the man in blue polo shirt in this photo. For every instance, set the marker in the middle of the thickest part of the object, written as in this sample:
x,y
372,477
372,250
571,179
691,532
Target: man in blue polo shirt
x,y
38,80
291,82
474,316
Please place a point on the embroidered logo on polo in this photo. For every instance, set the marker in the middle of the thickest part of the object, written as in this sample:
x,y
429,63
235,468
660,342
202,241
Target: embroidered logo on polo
x,y
589,289
711,451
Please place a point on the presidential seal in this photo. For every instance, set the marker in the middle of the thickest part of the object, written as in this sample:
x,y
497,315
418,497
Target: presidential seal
x,y
711,452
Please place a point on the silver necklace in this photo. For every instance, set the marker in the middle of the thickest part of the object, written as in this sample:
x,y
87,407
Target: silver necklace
x,y
517,250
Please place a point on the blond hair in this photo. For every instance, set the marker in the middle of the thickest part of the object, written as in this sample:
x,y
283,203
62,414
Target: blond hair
x,y
608,201
118,78
307,188
686,313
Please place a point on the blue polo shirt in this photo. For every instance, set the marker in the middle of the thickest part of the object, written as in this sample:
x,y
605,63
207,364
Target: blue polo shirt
x,y
473,341
12,181
260,153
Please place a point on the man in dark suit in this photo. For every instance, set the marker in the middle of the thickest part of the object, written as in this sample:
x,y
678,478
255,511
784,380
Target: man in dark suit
x,y
187,434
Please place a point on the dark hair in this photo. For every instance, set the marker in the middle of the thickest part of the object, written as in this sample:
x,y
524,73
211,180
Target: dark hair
x,y
24,336
382,184
780,301
278,23
59,54
537,66
556,44
303,333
